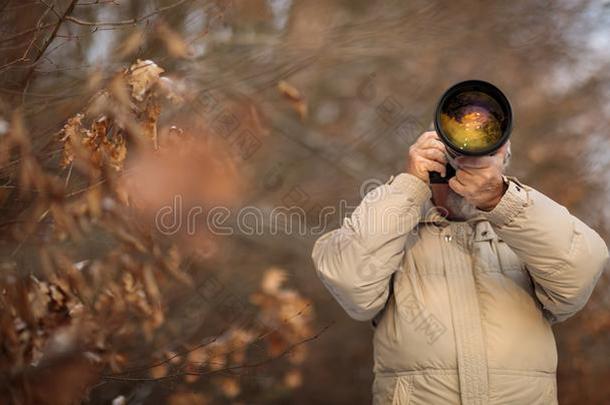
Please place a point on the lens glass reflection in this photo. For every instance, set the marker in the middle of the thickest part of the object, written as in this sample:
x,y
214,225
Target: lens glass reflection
x,y
472,120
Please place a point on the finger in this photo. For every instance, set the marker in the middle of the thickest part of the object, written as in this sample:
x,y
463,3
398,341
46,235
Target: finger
x,y
477,180
426,136
475,162
434,154
465,177
457,186
429,135
467,183
433,166
433,143
474,176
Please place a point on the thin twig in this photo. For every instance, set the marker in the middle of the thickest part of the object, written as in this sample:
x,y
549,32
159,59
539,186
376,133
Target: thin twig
x,y
22,33
52,8
231,368
49,40
130,21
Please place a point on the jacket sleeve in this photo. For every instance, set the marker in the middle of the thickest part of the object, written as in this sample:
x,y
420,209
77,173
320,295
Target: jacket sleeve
x,y
356,261
563,255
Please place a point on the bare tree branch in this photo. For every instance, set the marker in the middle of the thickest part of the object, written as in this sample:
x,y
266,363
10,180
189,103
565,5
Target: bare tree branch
x,y
48,41
130,21
26,32
231,368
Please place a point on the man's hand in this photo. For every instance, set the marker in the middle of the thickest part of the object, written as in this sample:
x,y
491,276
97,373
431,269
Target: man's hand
x,y
426,155
479,179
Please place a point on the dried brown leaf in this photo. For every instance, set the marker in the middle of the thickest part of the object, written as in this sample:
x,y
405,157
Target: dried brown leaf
x,y
294,96
273,280
142,76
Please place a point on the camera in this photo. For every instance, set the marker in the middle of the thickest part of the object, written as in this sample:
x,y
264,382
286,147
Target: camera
x,y
472,118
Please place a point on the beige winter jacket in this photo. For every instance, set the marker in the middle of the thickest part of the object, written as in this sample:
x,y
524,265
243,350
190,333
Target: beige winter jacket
x,y
463,310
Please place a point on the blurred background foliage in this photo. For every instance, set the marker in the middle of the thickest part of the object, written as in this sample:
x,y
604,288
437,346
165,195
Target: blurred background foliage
x,y
265,103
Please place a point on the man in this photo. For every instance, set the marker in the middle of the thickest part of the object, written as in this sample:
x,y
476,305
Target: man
x,y
463,281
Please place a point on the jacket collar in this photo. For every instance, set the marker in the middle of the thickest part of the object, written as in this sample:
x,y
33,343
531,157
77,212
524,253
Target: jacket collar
x,y
479,225
431,214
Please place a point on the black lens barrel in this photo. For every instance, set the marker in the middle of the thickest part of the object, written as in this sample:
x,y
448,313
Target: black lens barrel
x,y
506,119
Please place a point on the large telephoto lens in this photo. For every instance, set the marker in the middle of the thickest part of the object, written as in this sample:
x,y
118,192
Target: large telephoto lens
x,y
473,118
